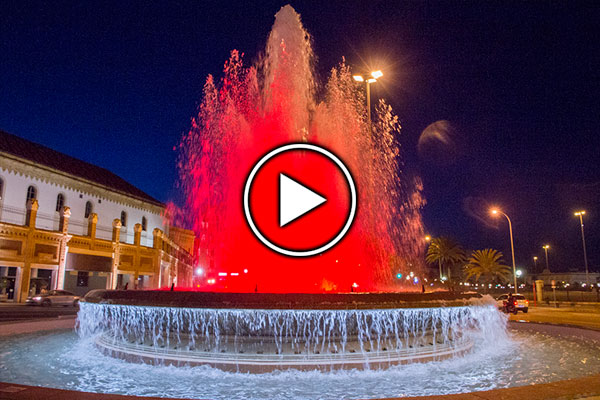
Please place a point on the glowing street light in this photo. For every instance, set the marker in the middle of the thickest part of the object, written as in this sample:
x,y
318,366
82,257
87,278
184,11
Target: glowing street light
x,y
368,80
580,214
546,247
427,238
495,211
535,263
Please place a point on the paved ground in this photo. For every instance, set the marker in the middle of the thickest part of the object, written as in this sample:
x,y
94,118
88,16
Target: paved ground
x,y
21,312
583,388
584,316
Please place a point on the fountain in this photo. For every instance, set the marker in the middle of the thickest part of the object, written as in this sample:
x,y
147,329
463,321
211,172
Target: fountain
x,y
264,332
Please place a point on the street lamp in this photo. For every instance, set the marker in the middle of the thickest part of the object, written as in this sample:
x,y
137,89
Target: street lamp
x,y
546,247
519,273
580,214
535,263
427,238
368,80
495,211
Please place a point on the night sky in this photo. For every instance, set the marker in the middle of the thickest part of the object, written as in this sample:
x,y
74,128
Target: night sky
x,y
115,84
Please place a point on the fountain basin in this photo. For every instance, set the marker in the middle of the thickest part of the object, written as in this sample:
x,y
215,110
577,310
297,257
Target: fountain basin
x,y
278,332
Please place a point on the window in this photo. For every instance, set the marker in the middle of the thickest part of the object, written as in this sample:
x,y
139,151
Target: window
x,y
82,278
1,187
123,218
144,223
31,194
60,201
88,209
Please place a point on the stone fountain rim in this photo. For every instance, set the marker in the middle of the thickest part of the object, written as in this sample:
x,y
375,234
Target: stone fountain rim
x,y
279,301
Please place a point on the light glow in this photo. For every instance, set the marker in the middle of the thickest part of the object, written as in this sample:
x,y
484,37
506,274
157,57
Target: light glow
x,y
358,78
377,74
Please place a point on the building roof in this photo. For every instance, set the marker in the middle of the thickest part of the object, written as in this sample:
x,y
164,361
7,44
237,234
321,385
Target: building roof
x,y
45,156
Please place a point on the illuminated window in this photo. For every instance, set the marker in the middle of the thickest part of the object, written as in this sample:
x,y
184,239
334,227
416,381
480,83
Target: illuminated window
x,y
88,209
60,201
144,223
31,194
123,218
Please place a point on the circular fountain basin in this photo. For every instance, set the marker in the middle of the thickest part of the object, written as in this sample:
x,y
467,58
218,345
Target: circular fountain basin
x,y
260,333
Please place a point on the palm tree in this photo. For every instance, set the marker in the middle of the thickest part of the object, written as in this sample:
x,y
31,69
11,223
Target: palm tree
x,y
444,251
488,264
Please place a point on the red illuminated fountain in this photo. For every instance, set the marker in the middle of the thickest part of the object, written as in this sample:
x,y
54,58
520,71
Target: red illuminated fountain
x,y
290,324
254,109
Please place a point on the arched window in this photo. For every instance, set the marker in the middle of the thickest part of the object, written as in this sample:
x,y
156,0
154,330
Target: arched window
x,y
60,201
144,223
31,194
123,218
88,209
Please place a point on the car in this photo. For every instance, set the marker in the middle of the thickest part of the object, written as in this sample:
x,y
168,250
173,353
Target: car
x,y
54,297
522,302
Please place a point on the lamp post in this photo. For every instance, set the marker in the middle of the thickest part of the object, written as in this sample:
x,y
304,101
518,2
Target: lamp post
x,y
546,247
368,80
535,263
495,211
580,214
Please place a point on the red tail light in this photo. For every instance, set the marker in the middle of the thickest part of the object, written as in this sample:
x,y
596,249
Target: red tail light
x,y
515,303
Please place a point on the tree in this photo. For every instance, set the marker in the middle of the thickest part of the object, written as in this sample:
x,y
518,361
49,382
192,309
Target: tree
x,y
445,252
488,264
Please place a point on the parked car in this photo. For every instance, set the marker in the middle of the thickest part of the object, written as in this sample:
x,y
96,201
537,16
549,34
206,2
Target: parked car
x,y
522,302
54,297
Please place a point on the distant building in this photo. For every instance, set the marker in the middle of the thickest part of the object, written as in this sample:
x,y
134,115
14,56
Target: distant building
x,y
67,224
562,278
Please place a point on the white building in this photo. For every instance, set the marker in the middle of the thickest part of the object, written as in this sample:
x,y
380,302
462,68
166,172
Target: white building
x,y
103,216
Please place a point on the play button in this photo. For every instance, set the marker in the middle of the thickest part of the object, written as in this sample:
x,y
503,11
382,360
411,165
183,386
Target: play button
x,y
295,200
299,200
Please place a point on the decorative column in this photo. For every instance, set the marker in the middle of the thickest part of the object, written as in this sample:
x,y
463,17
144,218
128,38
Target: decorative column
x,y
157,235
32,209
24,276
92,222
137,239
137,234
63,227
111,283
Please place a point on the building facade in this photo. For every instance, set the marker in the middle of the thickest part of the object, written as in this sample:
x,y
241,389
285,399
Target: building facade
x,y
67,224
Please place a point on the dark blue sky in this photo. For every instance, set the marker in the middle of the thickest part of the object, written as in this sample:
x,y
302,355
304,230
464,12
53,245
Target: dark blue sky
x,y
115,83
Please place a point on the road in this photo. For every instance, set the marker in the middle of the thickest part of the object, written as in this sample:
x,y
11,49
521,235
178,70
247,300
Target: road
x,y
584,316
21,312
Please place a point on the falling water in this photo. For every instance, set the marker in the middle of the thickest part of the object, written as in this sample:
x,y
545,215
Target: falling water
x,y
253,109
278,332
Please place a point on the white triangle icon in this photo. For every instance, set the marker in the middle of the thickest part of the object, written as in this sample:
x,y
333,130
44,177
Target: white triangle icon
x,y
295,200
